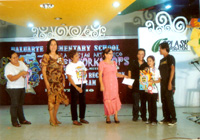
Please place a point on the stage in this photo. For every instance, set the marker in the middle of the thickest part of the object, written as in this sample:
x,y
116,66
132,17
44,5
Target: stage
x,y
97,129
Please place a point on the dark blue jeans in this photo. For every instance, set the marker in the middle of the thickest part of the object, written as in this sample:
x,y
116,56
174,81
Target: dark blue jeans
x,y
17,100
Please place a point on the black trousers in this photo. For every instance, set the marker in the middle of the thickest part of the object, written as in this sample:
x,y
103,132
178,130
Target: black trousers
x,y
137,97
17,100
152,106
168,107
75,95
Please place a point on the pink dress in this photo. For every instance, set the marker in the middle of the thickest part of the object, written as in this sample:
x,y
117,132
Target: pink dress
x,y
111,99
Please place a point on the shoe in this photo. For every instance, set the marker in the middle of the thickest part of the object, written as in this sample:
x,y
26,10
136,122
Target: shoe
x,y
108,122
16,125
144,119
163,121
135,119
53,124
77,123
153,123
58,122
116,121
172,123
25,122
84,121
148,122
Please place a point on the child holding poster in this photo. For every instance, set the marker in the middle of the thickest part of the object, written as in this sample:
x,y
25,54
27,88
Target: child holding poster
x,y
152,90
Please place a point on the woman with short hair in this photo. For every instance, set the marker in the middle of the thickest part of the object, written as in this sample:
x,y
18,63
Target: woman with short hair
x,y
15,73
76,73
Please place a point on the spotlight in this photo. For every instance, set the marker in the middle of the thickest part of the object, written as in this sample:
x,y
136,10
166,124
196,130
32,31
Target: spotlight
x,y
168,6
116,4
30,25
46,6
58,18
96,23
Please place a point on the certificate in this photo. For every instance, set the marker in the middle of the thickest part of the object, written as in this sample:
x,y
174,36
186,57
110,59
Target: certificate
x,y
128,81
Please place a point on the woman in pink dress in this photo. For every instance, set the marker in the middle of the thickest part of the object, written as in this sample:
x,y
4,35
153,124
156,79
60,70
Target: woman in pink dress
x,y
109,85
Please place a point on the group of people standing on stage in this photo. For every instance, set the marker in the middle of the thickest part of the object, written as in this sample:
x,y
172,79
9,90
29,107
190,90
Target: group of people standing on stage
x,y
165,75
54,77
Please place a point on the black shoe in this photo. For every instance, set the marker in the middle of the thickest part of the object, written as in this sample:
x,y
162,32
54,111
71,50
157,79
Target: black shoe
x,y
135,119
116,121
163,121
108,122
144,119
172,123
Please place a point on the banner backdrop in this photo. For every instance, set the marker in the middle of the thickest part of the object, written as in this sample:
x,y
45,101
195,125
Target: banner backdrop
x,y
187,77
90,53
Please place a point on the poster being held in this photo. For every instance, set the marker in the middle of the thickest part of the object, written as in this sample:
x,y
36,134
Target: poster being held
x,y
145,77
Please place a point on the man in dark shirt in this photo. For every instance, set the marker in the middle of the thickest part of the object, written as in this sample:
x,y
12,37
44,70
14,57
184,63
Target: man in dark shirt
x,y
134,73
167,71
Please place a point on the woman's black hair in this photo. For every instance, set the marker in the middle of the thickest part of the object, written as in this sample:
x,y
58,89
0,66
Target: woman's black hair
x,y
152,57
106,51
48,46
72,53
11,53
165,45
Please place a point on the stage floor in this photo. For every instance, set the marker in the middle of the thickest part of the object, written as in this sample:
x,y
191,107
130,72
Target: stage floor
x,y
97,129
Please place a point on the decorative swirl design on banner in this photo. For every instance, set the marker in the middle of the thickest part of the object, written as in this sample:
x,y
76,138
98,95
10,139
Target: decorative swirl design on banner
x,y
75,31
163,22
146,15
137,20
71,31
180,24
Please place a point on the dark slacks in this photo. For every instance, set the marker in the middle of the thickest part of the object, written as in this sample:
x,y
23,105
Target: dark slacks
x,y
75,95
168,107
152,106
137,97
17,100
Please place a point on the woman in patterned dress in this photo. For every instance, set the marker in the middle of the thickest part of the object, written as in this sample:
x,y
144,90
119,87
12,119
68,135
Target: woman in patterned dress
x,y
54,78
109,85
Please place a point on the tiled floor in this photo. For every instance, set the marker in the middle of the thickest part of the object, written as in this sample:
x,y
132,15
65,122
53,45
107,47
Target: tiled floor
x,y
97,129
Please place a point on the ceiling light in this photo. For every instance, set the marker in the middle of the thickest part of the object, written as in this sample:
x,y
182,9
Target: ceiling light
x,y
63,24
30,25
58,18
168,6
96,23
116,4
119,13
46,6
